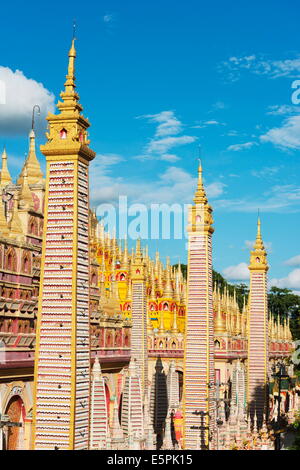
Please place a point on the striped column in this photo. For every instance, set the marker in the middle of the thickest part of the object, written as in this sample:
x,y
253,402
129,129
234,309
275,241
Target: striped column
x,y
257,372
62,355
139,349
99,418
132,404
62,368
198,404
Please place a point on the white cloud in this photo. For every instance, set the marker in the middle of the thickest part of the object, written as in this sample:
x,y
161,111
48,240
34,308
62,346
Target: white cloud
x,y
161,146
287,136
240,272
294,261
166,157
168,124
292,281
238,147
215,189
109,159
108,18
260,65
266,172
276,199
175,185
219,105
165,137
21,94
249,245
211,122
281,110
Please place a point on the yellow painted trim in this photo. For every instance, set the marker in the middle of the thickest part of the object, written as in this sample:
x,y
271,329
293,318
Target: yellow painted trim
x,y
38,328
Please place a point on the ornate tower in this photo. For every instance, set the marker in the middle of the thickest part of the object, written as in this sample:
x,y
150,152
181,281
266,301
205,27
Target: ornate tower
x,y
139,349
62,355
198,406
257,330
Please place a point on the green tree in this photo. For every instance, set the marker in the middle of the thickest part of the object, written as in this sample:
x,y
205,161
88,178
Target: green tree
x,y
285,304
282,302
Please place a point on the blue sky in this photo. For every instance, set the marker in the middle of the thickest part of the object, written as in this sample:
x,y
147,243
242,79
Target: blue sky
x,y
157,79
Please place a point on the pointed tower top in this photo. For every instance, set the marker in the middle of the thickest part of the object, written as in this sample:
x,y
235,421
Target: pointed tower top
x,y
4,231
32,165
200,195
26,200
15,223
258,257
5,175
96,370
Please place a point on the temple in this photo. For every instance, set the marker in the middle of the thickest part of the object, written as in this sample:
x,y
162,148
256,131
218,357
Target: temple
x,y
105,349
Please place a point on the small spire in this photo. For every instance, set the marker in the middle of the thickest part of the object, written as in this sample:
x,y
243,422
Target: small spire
x,y
26,200
5,175
96,370
32,165
258,243
70,83
125,262
200,195
15,223
138,251
4,231
220,326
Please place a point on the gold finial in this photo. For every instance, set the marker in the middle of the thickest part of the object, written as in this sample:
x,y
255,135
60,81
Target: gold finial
x,y
26,200
70,83
168,289
32,165
15,223
258,257
125,261
138,251
5,175
220,326
200,195
4,231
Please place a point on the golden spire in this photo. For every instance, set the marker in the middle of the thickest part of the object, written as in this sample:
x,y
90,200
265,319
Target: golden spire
x,y
15,226
125,262
258,256
70,96
200,214
200,195
26,200
168,289
129,290
138,251
174,328
152,285
32,165
220,326
68,129
4,231
5,175
258,245
161,322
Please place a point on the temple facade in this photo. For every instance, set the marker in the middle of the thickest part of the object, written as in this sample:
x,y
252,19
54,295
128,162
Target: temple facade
x,y
105,349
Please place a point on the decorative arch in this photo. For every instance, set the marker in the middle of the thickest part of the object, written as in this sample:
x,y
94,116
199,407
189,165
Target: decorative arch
x,y
107,399
26,262
33,226
15,409
11,259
